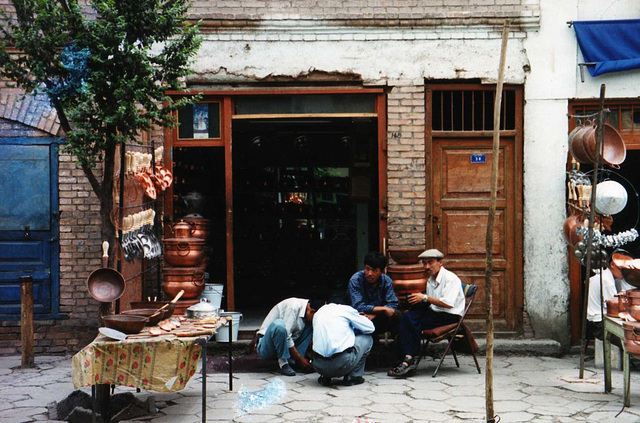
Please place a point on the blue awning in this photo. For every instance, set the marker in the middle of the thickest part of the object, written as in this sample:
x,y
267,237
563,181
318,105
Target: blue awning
x,y
609,46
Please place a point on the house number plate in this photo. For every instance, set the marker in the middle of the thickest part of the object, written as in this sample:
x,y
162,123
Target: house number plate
x,y
478,158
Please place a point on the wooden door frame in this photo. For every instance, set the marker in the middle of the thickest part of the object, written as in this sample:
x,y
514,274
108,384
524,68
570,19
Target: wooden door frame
x,y
227,106
517,135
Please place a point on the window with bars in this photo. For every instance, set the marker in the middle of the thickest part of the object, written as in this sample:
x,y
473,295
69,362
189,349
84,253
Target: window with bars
x,y
623,117
471,110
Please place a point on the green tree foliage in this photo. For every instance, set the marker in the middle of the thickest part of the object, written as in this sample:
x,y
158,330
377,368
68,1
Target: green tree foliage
x,y
105,66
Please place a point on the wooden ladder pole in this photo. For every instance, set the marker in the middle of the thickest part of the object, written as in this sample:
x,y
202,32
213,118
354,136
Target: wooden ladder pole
x,y
495,157
26,320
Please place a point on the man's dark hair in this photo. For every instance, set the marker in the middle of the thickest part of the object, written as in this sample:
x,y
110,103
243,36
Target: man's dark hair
x,y
316,304
376,259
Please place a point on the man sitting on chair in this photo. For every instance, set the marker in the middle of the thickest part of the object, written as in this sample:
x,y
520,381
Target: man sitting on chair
x,y
442,304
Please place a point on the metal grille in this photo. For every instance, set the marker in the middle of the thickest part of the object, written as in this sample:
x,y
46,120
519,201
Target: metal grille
x,y
623,117
471,110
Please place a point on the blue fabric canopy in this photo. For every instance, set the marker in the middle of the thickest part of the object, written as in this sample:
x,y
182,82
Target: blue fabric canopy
x,y
613,46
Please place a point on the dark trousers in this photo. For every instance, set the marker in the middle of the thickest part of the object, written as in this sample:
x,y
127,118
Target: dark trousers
x,y
413,322
384,324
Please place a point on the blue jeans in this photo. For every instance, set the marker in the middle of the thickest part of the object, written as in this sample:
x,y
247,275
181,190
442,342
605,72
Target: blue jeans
x,y
350,362
273,345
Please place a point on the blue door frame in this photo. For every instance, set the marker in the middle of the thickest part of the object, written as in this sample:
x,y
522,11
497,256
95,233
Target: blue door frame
x,y
29,227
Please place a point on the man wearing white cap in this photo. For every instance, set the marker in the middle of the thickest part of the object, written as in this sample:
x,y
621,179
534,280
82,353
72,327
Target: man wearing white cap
x,y
444,301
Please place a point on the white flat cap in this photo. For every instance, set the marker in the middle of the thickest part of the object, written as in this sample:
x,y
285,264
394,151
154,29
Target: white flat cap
x,y
432,253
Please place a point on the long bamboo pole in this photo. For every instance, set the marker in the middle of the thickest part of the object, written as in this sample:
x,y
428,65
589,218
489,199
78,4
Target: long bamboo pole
x,y
490,223
594,183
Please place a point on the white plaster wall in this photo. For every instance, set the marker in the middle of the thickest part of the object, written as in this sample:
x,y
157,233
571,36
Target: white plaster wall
x,y
220,61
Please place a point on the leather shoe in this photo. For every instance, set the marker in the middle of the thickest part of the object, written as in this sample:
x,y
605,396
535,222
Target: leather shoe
x,y
352,380
286,370
324,381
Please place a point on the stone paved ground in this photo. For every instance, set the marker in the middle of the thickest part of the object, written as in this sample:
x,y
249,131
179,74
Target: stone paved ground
x,y
531,389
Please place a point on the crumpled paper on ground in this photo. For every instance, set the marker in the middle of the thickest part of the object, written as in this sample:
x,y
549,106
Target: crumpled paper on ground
x,y
249,401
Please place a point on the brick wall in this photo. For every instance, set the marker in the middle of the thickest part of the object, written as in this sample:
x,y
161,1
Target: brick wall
x,y
363,13
79,237
406,163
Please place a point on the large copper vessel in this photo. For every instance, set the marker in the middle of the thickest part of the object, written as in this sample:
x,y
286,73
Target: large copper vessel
x,y
408,277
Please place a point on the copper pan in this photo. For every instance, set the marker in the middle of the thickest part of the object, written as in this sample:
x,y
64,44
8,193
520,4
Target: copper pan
x,y
629,267
614,150
576,145
104,284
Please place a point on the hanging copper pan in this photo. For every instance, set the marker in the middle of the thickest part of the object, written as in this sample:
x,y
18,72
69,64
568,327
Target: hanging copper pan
x,y
104,284
614,150
576,145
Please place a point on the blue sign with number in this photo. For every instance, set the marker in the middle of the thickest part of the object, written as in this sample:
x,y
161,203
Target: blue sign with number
x,y
478,158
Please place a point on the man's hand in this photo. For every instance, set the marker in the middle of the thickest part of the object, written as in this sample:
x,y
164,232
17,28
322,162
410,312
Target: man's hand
x,y
306,364
415,298
369,316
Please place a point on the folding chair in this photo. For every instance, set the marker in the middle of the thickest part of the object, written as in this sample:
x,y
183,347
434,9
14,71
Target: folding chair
x,y
458,334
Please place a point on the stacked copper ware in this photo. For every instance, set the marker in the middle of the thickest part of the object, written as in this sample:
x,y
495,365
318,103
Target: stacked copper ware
x,y
186,257
407,273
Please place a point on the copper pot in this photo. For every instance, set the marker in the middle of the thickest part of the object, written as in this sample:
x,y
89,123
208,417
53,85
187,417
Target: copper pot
x,y
182,229
405,271
189,279
630,269
632,337
405,255
404,287
201,227
571,225
184,252
576,145
613,307
614,150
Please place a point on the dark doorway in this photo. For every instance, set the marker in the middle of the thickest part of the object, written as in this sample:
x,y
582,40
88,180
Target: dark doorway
x,y
305,205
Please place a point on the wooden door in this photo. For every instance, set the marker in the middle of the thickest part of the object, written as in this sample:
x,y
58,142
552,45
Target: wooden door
x,y
461,195
29,223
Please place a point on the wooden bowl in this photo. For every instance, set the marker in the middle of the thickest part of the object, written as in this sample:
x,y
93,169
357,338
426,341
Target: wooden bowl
x,y
155,305
148,313
128,324
405,255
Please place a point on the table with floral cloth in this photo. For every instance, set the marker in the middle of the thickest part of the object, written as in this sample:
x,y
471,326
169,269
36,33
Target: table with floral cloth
x,y
161,363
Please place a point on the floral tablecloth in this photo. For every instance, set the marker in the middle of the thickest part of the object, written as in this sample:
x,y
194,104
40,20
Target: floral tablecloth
x,y
163,363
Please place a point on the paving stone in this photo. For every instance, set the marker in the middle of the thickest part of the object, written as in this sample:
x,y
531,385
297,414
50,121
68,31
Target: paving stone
x,y
509,406
436,395
349,412
388,418
462,402
390,398
307,405
350,401
390,389
428,416
429,405
514,417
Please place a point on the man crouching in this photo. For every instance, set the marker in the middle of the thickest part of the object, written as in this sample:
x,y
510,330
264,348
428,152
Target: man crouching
x,y
341,344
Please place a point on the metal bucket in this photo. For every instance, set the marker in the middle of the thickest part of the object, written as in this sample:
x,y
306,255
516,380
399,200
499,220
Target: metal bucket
x,y
223,332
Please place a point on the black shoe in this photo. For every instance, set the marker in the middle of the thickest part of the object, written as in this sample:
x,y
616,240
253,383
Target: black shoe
x,y
324,381
352,380
287,370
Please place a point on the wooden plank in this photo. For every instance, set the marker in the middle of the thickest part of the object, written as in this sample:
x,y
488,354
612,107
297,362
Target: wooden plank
x,y
26,320
381,108
304,115
228,185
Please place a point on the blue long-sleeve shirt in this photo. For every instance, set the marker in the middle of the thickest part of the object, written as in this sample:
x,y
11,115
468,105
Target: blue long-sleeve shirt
x,y
364,299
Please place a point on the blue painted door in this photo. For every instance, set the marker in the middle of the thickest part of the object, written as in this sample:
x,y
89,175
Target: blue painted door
x,y
28,223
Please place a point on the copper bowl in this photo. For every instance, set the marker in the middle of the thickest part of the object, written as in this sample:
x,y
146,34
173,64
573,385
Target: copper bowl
x,y
155,305
125,323
148,313
406,271
189,279
405,255
184,252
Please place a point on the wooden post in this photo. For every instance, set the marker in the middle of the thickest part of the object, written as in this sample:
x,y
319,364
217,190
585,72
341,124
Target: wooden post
x,y
490,415
26,320
594,183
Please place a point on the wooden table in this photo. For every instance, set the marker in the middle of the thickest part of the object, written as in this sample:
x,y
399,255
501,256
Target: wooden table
x,y
158,363
613,327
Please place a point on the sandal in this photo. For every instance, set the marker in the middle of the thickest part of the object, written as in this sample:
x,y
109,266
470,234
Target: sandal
x,y
404,369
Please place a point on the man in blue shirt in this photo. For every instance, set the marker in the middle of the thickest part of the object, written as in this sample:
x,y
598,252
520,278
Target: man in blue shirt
x,y
371,293
341,343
